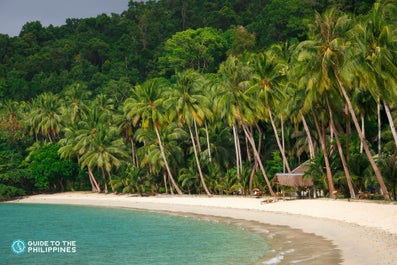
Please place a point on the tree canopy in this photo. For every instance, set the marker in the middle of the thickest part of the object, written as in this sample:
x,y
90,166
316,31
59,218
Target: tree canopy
x,y
207,97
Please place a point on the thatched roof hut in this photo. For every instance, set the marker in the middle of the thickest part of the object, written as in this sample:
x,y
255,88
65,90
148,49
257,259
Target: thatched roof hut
x,y
295,177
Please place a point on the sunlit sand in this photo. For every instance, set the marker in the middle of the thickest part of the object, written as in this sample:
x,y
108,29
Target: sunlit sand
x,y
364,232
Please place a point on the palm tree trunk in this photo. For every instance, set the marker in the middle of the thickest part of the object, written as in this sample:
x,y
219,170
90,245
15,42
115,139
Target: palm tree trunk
x,y
208,141
198,162
309,137
93,188
340,150
255,167
93,180
110,180
391,122
363,130
104,180
133,152
258,159
248,149
321,134
348,133
285,161
166,162
379,177
282,138
197,135
165,182
237,149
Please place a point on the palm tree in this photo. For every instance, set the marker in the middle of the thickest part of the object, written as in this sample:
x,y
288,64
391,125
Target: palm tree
x,y
72,146
45,116
268,77
191,107
340,149
327,50
145,106
233,75
105,150
377,35
75,107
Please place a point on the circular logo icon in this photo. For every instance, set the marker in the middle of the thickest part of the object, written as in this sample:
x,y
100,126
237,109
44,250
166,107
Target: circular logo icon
x,y
18,246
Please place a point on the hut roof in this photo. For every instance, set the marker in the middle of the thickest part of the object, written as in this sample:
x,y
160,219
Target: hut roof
x,y
295,177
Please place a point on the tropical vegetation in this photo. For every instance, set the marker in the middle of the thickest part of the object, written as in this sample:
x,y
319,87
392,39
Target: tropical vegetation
x,y
203,97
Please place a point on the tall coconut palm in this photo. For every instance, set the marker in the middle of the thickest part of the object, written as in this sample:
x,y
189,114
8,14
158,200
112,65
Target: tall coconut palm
x,y
75,107
145,106
233,75
377,35
340,149
45,116
268,77
105,150
191,108
76,137
327,48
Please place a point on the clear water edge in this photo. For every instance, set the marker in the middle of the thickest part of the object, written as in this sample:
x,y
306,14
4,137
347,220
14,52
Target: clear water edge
x,y
277,244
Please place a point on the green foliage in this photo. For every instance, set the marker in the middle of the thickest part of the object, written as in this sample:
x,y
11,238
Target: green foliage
x,y
388,167
96,89
274,165
7,192
131,179
48,170
200,50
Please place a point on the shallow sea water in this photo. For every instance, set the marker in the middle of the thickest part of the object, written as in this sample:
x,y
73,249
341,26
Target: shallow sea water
x,y
95,235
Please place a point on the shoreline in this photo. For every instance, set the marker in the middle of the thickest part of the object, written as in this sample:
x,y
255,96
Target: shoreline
x,y
362,232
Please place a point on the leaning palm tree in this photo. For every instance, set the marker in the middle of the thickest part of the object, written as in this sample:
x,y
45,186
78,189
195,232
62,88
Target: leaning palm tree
x,y
377,36
191,107
327,49
145,106
105,151
233,77
268,79
72,147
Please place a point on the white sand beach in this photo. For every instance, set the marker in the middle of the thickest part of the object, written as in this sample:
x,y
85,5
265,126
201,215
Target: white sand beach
x,y
363,232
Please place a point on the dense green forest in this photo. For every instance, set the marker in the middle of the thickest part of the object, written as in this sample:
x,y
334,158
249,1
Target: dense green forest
x,y
210,97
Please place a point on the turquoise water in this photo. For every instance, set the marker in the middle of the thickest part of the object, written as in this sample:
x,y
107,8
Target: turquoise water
x,y
94,235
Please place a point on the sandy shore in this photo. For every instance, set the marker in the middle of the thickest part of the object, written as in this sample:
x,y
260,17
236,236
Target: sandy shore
x,y
364,233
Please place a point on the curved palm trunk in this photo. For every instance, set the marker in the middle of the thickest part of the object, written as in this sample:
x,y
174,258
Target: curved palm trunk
x,y
321,134
198,162
255,167
379,177
309,137
166,162
258,159
285,161
93,181
391,122
340,150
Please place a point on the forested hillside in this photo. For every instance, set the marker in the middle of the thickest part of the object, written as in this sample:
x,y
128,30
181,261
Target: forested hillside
x,y
202,97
